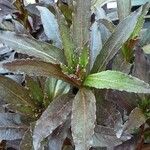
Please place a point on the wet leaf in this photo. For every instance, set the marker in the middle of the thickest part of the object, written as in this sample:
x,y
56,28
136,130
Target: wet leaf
x,y
28,45
118,81
16,96
52,117
83,119
50,25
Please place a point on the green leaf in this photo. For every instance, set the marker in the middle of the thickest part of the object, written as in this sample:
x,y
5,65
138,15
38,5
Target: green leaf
x,y
30,46
34,89
38,68
140,21
52,117
120,35
67,40
118,81
84,57
124,8
16,96
54,88
81,23
146,48
50,25
83,119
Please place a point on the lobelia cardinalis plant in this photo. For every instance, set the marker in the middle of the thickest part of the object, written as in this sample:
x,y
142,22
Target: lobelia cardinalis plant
x,y
81,57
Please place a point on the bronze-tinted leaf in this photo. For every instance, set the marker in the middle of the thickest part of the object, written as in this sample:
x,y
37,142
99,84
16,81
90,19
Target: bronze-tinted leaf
x,y
11,127
16,96
28,45
83,119
52,117
38,68
120,35
81,23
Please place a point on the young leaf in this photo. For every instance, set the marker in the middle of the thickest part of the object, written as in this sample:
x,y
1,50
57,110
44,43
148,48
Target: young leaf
x,y
34,89
67,40
118,81
16,96
120,35
30,46
54,88
83,119
124,8
52,117
38,68
11,127
50,25
140,21
81,23
84,57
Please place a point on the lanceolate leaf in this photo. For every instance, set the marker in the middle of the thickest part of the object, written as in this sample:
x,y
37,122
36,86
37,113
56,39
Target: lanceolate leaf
x,y
28,45
57,138
53,116
67,40
95,43
16,96
81,23
50,25
115,41
34,89
83,119
54,88
106,137
84,57
118,81
135,120
38,68
124,8
140,21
